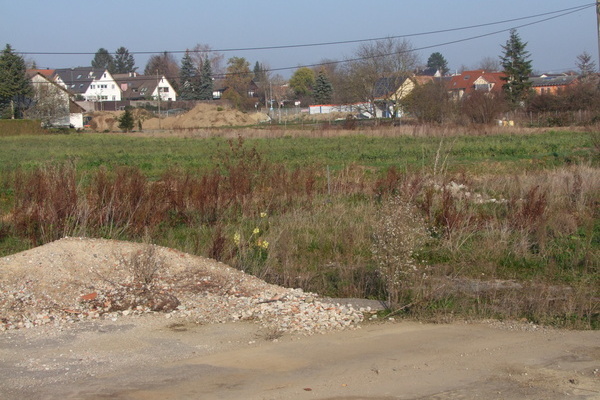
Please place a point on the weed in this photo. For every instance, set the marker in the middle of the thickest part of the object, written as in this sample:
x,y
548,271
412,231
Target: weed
x,y
399,235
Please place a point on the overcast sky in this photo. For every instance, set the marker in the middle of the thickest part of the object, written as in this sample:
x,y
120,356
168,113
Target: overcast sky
x,y
68,26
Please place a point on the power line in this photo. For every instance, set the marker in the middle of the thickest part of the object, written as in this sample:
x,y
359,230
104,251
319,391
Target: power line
x,y
291,46
562,13
572,10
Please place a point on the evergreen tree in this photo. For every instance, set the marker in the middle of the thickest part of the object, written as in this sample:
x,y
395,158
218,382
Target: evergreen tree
x,y
585,64
15,88
187,75
260,74
126,121
205,89
436,60
103,60
124,62
323,92
517,68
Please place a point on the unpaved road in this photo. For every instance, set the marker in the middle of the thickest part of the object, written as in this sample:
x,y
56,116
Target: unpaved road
x,y
160,358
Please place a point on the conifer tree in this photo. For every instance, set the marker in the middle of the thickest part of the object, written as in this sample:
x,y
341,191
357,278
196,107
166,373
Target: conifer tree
x,y
436,60
15,88
187,75
123,61
517,68
205,90
103,60
323,92
585,64
126,121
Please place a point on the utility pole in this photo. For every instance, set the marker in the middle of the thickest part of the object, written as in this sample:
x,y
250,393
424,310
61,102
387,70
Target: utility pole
x,y
598,25
158,97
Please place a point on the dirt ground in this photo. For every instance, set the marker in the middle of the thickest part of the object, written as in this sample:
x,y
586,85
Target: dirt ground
x,y
197,353
201,116
168,359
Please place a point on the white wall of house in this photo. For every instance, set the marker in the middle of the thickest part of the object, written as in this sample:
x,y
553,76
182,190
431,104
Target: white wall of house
x,y
167,93
76,119
103,88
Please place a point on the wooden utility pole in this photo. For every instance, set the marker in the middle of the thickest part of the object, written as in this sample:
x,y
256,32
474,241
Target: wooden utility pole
x,y
598,25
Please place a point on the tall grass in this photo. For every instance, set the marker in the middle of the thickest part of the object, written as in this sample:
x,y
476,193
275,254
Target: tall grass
x,y
525,244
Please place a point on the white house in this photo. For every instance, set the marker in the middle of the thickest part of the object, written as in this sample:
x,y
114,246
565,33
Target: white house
x,y
144,87
92,84
52,103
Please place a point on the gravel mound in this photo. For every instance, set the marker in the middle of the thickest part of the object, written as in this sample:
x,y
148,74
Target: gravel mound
x,y
82,279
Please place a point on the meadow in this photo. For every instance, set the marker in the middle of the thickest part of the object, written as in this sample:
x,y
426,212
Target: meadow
x,y
441,226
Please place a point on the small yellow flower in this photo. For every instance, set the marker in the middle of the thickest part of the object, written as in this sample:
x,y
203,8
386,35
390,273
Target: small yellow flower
x,y
263,243
263,215
236,238
256,231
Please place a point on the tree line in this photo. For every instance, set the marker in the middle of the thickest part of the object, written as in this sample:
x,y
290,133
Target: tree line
x,y
368,75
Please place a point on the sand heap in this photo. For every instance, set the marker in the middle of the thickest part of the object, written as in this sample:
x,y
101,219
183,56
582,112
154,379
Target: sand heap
x,y
207,116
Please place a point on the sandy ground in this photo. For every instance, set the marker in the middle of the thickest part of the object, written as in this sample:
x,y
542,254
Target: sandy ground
x,y
163,358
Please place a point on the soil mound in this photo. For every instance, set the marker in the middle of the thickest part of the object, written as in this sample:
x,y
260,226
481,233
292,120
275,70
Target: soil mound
x,y
207,116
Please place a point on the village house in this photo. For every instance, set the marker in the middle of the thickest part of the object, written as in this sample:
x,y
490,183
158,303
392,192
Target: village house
x,y
88,83
552,84
52,103
477,80
144,87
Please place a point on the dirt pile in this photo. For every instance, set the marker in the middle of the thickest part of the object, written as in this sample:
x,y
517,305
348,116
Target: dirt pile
x,y
108,120
207,116
80,279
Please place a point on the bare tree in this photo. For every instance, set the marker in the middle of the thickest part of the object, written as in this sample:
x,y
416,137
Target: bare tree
x,y
163,64
50,103
390,59
202,51
490,64
279,90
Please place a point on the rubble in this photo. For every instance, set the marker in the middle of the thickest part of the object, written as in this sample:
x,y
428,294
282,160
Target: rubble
x,y
77,279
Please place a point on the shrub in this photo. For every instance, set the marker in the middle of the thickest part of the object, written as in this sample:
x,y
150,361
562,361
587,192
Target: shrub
x,y
399,234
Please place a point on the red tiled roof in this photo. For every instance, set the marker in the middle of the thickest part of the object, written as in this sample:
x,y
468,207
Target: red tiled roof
x,y
466,80
45,72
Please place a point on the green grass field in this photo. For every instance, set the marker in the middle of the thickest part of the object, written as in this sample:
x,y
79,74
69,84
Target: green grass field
x,y
154,155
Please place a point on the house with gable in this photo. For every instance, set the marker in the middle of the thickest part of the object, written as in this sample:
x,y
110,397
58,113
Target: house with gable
x,y
52,103
89,83
477,80
145,87
389,92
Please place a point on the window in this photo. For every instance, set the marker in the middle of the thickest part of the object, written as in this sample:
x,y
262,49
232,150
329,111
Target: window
x,y
92,86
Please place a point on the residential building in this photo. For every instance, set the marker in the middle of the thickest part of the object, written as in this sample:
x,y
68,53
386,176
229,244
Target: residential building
x,y
145,87
89,83
52,103
552,84
388,92
470,81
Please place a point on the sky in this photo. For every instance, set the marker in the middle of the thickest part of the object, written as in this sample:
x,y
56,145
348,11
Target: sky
x,y
69,26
